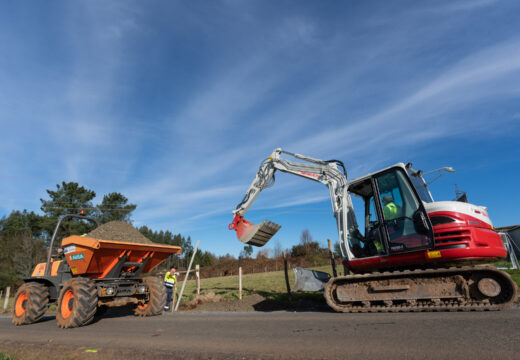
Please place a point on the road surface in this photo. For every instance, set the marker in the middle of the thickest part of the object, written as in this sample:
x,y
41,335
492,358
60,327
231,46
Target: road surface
x,y
273,335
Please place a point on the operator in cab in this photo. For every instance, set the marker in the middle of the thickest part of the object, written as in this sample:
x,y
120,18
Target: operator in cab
x,y
390,209
170,281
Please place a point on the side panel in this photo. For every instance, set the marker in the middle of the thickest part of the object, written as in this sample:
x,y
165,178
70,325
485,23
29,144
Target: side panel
x,y
39,270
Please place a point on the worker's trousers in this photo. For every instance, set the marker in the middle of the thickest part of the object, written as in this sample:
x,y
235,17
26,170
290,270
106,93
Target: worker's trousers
x,y
169,294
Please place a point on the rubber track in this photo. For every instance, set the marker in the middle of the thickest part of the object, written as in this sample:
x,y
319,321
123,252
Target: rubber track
x,y
85,303
421,306
155,304
36,305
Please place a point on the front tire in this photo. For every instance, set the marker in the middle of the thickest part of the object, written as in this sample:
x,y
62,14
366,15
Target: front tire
x,y
157,300
30,303
77,303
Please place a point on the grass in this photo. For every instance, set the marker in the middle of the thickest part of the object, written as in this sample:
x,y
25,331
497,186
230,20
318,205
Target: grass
x,y
4,356
515,274
270,285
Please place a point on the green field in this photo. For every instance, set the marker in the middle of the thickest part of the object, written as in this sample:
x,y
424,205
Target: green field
x,y
270,285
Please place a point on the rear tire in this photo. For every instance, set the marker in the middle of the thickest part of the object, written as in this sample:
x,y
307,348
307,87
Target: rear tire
x,y
30,303
77,303
155,304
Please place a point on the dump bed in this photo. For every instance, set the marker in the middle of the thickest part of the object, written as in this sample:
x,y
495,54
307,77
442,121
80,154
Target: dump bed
x,y
99,259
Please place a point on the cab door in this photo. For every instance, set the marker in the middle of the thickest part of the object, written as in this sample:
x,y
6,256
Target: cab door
x,y
403,215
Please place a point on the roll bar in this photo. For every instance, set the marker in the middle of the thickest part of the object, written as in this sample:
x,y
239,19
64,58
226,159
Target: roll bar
x,y
60,220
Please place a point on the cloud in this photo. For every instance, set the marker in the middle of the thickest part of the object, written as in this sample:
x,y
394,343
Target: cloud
x,y
458,87
459,6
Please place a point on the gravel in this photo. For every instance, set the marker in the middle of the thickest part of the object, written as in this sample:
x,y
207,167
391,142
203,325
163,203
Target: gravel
x,y
119,231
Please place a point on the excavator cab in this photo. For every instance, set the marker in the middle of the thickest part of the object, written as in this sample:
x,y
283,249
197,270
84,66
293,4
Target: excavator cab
x,y
392,217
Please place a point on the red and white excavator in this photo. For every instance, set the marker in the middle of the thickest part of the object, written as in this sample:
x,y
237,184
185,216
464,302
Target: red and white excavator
x,y
421,256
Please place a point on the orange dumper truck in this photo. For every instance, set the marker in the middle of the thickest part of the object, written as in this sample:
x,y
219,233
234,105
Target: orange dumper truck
x,y
95,274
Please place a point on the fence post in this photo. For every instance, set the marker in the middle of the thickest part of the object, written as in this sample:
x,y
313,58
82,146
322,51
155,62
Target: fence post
x,y
332,262
197,276
6,301
186,277
286,274
174,297
240,278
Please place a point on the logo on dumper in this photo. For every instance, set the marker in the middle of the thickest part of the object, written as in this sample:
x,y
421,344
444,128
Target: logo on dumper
x,y
79,256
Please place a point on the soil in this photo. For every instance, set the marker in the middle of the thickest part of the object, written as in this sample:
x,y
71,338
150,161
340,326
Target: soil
x,y
119,231
253,302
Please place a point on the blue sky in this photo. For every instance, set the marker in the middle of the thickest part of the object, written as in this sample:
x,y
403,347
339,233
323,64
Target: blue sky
x,y
174,104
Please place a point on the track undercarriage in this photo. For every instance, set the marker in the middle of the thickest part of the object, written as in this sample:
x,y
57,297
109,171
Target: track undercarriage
x,y
469,288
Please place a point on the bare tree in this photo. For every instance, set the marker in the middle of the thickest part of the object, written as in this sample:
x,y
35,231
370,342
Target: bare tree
x,y
262,253
306,240
277,249
30,252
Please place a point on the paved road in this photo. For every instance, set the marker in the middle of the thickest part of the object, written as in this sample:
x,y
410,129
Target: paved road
x,y
292,335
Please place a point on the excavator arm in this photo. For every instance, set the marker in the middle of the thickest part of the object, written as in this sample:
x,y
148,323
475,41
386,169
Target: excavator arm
x,y
325,172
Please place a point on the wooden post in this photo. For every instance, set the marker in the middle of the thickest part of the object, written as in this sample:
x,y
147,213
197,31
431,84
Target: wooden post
x,y
186,277
174,297
197,276
286,274
6,301
240,278
332,262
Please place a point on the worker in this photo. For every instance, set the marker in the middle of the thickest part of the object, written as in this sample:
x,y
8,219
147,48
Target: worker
x,y
170,281
390,209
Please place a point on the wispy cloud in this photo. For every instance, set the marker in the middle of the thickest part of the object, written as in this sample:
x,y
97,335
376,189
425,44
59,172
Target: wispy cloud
x,y
176,106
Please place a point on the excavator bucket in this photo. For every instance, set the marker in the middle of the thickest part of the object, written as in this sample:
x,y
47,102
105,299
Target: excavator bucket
x,y
251,234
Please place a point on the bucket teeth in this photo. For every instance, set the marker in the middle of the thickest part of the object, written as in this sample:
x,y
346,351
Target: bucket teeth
x,y
261,234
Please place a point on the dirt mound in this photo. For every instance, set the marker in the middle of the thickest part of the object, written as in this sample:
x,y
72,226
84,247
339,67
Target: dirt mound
x,y
201,299
256,302
217,303
119,231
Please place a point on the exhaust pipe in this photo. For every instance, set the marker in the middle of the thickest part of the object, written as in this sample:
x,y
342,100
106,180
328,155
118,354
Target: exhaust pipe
x,y
251,234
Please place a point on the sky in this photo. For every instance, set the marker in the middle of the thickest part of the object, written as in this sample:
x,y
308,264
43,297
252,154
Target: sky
x,y
175,104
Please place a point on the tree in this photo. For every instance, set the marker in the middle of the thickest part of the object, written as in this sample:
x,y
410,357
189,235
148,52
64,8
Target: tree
x,y
305,237
262,254
21,245
247,251
277,249
114,207
69,198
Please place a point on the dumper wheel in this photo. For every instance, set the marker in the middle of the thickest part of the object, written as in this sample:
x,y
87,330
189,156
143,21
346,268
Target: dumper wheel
x,y
30,303
77,303
157,300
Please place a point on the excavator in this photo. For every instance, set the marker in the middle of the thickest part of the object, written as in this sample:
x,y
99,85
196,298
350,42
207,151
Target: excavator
x,y
401,250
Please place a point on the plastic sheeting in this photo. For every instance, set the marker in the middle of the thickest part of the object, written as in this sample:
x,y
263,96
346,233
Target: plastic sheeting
x,y
309,280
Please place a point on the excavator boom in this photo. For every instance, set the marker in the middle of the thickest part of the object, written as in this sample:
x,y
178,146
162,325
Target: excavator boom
x,y
325,172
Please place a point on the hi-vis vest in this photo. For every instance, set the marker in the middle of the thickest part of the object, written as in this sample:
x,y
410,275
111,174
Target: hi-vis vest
x,y
170,280
390,211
